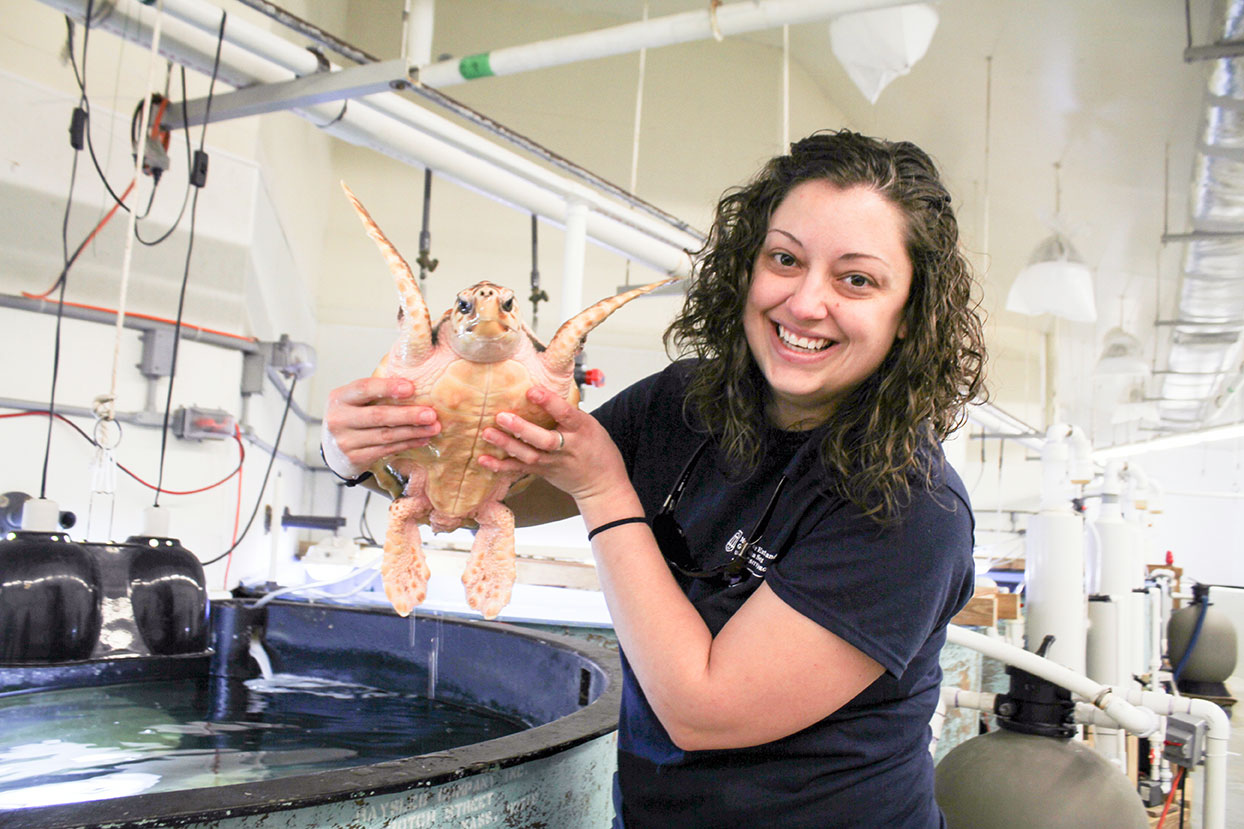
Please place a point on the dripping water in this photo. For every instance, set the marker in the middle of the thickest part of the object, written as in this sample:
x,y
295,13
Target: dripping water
x,y
260,656
434,653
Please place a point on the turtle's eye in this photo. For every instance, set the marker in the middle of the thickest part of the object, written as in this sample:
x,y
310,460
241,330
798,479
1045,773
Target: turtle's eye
x,y
508,305
464,305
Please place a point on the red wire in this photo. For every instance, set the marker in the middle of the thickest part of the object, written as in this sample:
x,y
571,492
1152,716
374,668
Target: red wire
x,y
237,471
116,206
1179,770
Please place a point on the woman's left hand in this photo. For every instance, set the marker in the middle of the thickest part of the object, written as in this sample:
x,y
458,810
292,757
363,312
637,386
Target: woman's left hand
x,y
577,455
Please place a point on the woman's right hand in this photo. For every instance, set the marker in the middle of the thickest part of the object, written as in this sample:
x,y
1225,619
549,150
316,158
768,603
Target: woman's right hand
x,y
358,431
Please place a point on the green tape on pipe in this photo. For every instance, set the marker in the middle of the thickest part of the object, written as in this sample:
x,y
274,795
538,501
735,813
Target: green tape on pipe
x,y
475,66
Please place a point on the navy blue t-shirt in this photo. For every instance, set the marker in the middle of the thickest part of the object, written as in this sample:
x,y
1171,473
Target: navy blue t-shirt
x,y
889,592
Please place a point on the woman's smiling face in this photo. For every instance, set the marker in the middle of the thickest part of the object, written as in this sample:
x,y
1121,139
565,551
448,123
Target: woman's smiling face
x,y
826,298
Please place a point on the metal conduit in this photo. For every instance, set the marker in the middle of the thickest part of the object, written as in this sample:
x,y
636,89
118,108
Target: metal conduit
x,y
188,332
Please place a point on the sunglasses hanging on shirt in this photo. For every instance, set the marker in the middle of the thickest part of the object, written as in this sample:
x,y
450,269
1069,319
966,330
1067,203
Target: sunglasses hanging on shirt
x,y
672,541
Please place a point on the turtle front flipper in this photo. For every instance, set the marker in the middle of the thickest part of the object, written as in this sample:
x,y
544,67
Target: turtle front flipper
x,y
404,568
560,353
491,568
415,343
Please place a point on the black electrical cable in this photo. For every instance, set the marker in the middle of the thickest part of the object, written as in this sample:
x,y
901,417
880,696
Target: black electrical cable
x,y
73,61
60,313
60,300
289,400
99,170
185,278
365,533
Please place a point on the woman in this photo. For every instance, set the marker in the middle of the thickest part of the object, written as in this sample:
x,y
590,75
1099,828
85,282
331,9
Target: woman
x,y
779,540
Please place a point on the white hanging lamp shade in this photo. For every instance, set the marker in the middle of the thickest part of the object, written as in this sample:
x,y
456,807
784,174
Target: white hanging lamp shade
x,y
1120,354
875,47
1056,281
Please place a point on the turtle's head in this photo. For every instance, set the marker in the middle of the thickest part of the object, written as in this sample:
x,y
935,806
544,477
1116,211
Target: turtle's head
x,y
483,325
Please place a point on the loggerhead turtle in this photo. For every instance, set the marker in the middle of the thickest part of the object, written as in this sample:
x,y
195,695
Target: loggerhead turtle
x,y
480,359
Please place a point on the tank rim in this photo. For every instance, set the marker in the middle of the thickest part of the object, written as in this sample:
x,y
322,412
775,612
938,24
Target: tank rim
x,y
192,806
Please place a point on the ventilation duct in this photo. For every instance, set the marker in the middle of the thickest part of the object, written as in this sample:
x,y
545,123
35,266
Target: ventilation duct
x,y
1205,341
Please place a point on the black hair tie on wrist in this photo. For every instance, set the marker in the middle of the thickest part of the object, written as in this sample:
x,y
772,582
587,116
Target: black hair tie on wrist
x,y
346,481
634,519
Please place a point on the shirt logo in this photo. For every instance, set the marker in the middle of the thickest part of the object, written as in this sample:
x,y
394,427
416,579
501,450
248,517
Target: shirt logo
x,y
756,557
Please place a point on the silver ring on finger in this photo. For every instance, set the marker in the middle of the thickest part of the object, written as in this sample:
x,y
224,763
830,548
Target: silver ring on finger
x,y
561,441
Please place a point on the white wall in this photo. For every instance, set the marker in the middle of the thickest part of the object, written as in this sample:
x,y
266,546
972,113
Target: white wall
x,y
251,275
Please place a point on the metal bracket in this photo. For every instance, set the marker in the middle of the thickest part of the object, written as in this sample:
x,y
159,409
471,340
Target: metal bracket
x,y
322,87
1202,236
1214,51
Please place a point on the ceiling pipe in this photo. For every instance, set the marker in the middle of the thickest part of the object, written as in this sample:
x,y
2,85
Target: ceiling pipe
x,y
396,127
418,19
294,59
712,22
330,42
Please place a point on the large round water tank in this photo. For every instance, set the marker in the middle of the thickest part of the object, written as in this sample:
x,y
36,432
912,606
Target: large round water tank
x,y
1007,780
1213,658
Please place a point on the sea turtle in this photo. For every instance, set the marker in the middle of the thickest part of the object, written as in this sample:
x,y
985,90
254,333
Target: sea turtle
x,y
480,359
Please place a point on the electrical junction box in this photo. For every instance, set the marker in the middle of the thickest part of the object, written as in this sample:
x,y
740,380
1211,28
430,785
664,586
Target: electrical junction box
x,y
193,423
1185,740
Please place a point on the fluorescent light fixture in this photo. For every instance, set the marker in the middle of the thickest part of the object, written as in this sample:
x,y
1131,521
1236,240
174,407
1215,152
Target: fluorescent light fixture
x,y
875,47
1056,281
1231,431
1002,424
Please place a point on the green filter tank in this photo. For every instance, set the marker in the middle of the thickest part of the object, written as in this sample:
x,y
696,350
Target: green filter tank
x,y
1213,655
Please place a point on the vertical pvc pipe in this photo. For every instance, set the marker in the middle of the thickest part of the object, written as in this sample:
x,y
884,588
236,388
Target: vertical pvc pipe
x,y
418,36
573,259
1103,664
1055,579
274,529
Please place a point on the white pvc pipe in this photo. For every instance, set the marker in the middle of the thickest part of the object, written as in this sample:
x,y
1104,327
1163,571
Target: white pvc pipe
x,y
274,553
1214,809
298,61
702,24
1119,705
418,34
387,123
1104,665
1054,575
1136,720
938,721
573,259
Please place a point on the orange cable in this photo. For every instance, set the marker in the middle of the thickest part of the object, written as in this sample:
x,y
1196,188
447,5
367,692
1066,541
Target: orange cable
x,y
150,317
116,206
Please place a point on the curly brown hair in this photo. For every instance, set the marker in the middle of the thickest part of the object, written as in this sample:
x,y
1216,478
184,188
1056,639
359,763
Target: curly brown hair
x,y
876,440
